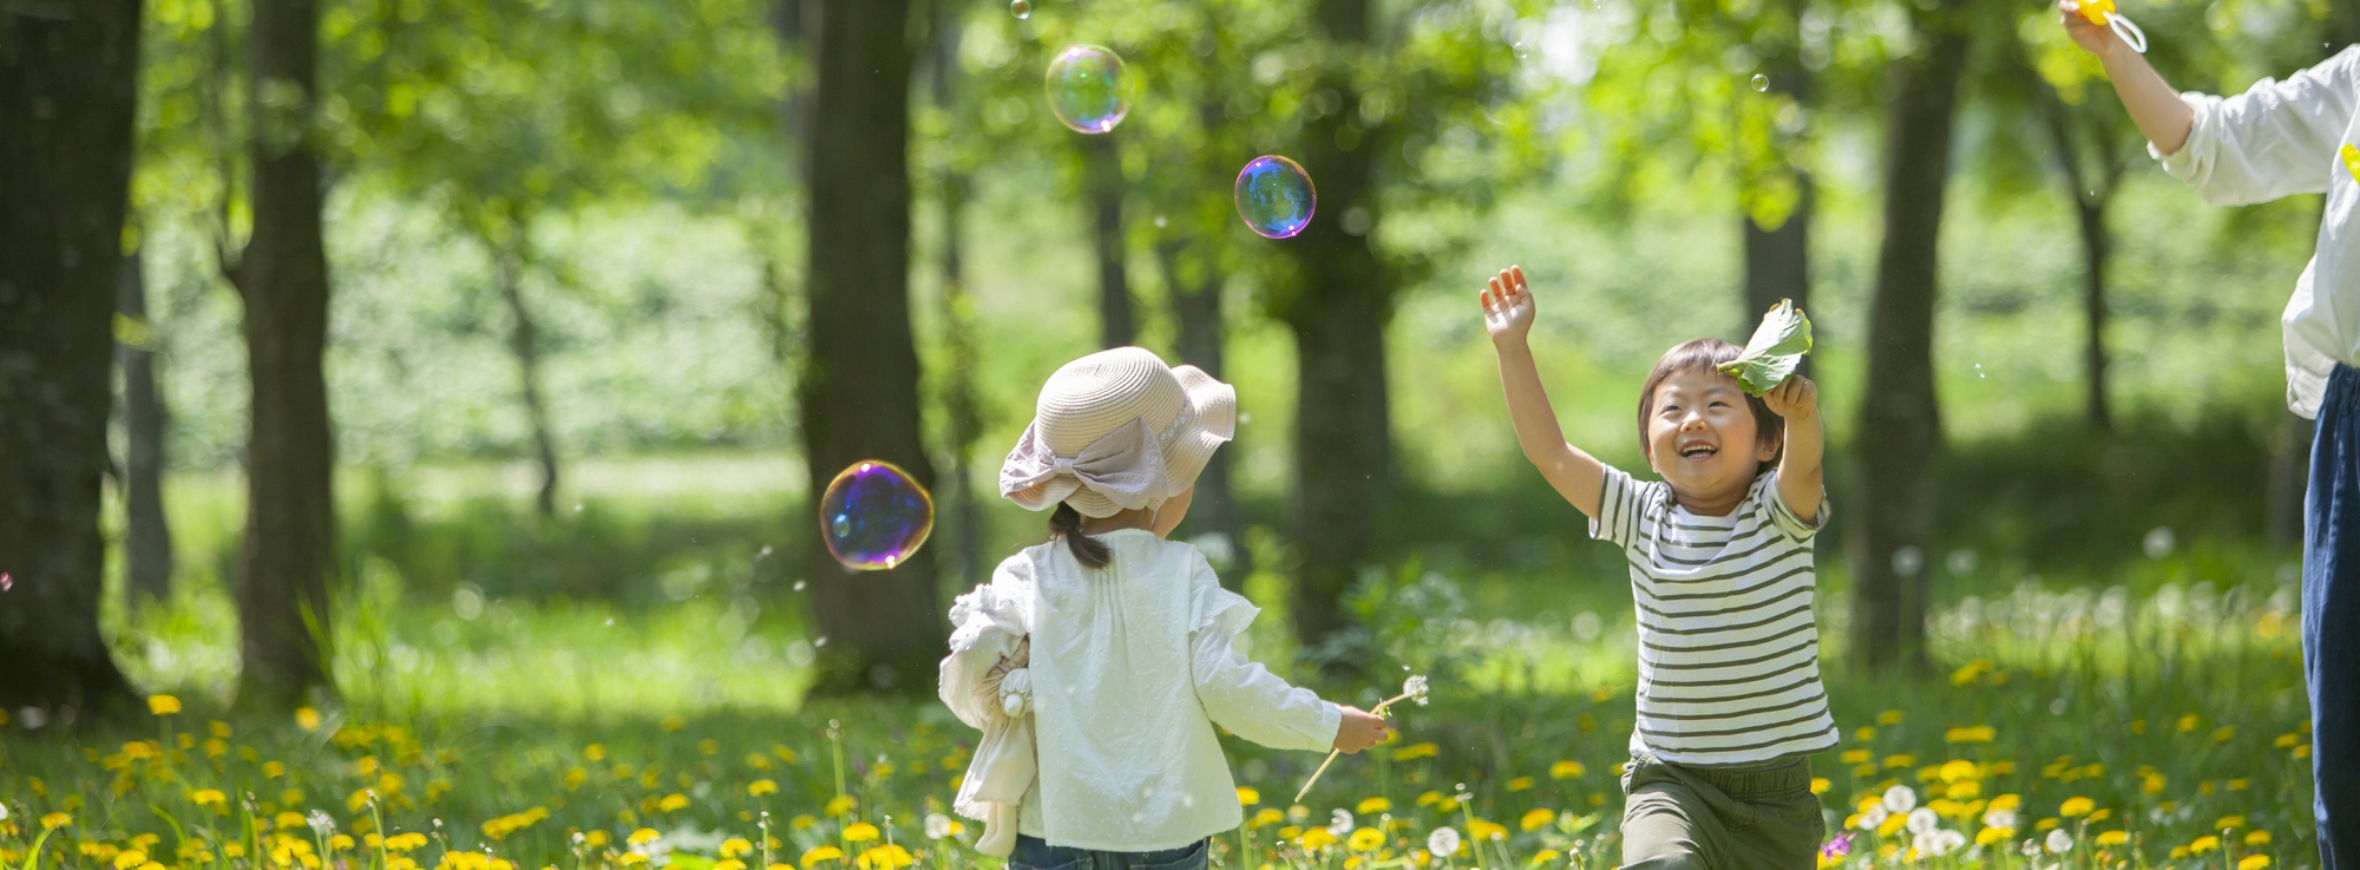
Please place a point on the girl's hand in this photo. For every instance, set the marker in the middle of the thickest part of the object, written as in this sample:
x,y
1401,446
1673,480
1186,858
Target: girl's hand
x,y
1507,306
2097,39
1797,399
1359,730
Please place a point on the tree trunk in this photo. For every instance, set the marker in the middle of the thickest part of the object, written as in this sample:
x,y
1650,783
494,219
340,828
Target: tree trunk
x,y
1103,162
860,383
1778,261
2095,244
958,315
1343,439
1196,306
147,537
68,87
524,342
290,546
1900,422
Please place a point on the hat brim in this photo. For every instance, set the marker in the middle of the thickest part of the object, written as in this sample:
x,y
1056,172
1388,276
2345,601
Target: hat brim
x,y
1213,423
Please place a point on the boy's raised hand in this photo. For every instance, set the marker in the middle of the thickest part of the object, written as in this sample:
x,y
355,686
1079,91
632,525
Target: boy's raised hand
x,y
1796,399
1507,305
2096,39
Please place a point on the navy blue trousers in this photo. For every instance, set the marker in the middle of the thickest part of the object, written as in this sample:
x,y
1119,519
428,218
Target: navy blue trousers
x,y
1033,853
2331,619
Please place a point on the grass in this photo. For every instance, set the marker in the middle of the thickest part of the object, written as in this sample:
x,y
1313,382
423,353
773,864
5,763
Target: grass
x,y
2168,709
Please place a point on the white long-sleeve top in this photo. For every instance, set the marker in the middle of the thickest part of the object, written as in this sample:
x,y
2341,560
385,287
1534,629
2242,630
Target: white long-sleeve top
x,y
1132,666
2280,138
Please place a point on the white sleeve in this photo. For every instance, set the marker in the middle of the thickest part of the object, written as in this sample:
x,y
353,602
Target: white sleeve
x,y
1241,695
986,625
1783,515
2277,138
1620,500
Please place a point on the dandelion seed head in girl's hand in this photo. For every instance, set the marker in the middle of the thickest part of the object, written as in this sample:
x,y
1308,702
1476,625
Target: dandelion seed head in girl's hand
x,y
1415,688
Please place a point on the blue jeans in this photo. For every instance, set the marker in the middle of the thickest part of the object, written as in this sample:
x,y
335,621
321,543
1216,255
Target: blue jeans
x,y
2331,619
1033,853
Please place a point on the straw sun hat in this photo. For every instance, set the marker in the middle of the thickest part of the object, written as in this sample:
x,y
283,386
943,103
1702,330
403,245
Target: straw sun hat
x,y
1118,430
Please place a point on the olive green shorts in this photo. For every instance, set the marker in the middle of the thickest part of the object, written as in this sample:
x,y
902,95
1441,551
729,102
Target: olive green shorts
x,y
1677,817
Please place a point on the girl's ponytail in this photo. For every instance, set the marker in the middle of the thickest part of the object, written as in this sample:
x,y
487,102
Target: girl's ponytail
x,y
1065,522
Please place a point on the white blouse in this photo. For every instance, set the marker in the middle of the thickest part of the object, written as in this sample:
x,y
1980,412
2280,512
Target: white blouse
x,y
1132,666
2280,138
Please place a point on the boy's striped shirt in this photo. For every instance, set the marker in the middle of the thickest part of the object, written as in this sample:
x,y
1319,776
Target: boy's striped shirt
x,y
1728,644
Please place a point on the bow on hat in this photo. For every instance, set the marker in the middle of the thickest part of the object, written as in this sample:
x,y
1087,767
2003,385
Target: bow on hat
x,y
1125,465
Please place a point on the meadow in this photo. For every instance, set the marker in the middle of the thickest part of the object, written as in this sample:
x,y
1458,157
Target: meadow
x,y
2156,722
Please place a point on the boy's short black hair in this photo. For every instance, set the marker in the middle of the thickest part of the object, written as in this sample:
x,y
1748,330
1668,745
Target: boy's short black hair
x,y
1707,354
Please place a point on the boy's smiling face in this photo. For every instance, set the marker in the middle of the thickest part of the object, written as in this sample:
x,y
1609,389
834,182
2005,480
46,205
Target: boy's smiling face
x,y
1703,440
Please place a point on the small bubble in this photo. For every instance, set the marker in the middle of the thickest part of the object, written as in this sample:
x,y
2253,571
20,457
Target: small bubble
x,y
765,554
820,642
5,583
1088,89
1522,51
1160,222
877,515
2159,542
799,585
1979,373
1020,9
1275,197
1761,83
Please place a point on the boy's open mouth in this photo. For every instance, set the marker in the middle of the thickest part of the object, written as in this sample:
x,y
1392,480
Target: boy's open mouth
x,y
1698,451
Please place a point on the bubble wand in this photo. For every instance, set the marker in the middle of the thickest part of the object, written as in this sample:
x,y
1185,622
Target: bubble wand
x,y
1412,689
2101,13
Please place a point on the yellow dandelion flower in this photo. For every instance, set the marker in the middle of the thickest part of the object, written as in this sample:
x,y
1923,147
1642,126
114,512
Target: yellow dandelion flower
x,y
1567,769
2179,852
1520,783
729,864
642,837
1820,785
2113,838
1536,818
1268,816
2287,740
1366,840
840,804
736,846
822,853
1415,751
2228,823
1855,756
339,843
1247,796
1543,856
2151,783
761,787
1482,830
1889,717
1988,836
1373,805
2240,784
1964,790
887,857
2076,807
1429,798
1898,762
673,723
2253,862
2188,723
2203,844
1316,839
631,859
673,803
289,819
802,821
161,705
1970,734
307,718
211,797
861,832
130,858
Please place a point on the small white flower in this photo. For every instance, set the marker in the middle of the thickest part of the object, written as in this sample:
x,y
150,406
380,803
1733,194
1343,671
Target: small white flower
x,y
2000,818
1415,688
1875,816
938,826
1443,842
2059,841
1923,821
1341,824
1899,799
2030,848
321,824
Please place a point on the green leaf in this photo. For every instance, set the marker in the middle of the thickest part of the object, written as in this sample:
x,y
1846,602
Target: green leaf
x,y
1777,347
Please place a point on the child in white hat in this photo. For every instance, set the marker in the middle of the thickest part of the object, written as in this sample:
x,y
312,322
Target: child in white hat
x,y
1098,662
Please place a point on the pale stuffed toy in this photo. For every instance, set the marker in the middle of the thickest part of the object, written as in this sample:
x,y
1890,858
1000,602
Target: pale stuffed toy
x,y
986,682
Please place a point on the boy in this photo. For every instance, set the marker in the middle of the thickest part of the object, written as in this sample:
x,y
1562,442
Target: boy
x,y
1729,699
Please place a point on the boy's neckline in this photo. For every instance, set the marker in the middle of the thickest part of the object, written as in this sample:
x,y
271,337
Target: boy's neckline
x,y
1730,514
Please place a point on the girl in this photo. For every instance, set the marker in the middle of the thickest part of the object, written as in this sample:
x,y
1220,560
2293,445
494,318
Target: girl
x,y
1730,704
1110,647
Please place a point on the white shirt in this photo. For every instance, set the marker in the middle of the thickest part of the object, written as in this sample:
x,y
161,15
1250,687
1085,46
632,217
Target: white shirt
x,y
1132,665
2275,139
1728,640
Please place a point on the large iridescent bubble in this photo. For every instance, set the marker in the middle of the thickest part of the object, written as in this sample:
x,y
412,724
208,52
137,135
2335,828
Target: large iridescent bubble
x,y
1088,88
874,516
1274,197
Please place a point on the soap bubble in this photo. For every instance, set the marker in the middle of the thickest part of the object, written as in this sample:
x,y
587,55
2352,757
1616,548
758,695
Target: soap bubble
x,y
1088,89
1761,82
2159,542
1274,197
1021,9
874,516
